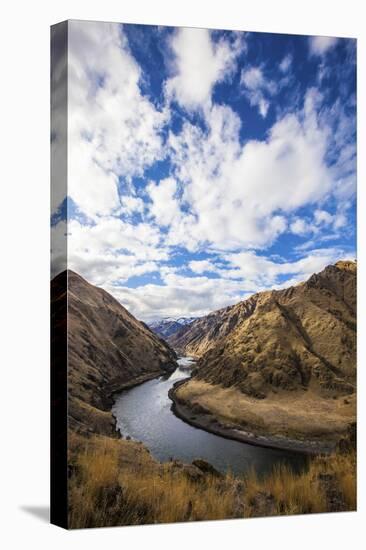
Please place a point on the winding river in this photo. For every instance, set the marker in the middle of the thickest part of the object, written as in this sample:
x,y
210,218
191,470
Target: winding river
x,y
144,413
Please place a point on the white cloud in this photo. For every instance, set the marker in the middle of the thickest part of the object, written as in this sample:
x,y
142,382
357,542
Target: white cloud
x,y
199,63
262,271
223,196
252,78
113,129
241,196
257,88
164,207
343,146
286,63
246,273
202,266
319,45
322,217
113,250
131,204
179,296
300,227
340,220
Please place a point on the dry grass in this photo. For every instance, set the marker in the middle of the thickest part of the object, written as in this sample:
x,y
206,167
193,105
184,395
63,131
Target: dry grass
x,y
106,490
117,482
290,414
170,498
348,486
284,493
344,468
328,485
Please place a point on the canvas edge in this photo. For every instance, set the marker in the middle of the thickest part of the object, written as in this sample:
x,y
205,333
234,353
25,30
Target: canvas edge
x,y
58,286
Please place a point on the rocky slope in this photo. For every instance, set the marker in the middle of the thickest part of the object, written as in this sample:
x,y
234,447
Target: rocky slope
x,y
281,339
107,348
299,342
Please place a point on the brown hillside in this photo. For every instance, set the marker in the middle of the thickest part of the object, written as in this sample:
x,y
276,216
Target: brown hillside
x,y
278,345
281,339
107,349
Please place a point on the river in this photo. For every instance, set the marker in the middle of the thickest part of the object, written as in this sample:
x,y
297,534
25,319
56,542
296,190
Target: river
x,y
144,413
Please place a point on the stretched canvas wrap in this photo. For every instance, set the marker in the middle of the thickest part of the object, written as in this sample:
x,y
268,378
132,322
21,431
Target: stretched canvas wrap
x,y
203,292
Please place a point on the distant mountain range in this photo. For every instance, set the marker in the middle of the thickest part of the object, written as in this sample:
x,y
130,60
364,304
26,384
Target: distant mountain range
x,y
168,326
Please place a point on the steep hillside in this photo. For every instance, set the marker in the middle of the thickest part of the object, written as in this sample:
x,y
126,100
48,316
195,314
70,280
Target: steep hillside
x,y
300,341
107,349
203,333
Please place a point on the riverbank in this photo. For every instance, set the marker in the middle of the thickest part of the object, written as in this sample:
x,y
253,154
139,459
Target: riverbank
x,y
118,387
188,405
117,481
88,418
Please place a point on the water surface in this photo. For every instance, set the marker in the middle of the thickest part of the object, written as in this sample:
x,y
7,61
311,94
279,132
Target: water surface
x,y
144,413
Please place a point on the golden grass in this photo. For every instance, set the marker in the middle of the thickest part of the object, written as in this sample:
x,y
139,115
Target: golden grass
x,y
329,484
104,492
171,498
348,486
285,493
290,414
344,468
117,482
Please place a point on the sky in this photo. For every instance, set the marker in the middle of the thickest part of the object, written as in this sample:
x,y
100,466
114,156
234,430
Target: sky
x,y
205,166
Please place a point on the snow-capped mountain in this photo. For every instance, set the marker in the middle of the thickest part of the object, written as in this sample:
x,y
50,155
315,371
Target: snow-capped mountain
x,y
169,325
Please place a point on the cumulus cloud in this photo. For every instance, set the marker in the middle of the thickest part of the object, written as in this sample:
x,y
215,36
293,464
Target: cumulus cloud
x,y
244,274
202,266
286,63
320,45
113,130
113,250
321,220
198,64
217,193
258,89
179,296
322,217
261,271
131,204
300,227
165,207
241,196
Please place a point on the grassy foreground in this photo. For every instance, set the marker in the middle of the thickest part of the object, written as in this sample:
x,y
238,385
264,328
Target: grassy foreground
x,y
117,482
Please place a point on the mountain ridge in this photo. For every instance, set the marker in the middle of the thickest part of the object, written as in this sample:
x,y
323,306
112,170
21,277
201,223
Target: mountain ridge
x,y
107,349
167,326
279,348
208,332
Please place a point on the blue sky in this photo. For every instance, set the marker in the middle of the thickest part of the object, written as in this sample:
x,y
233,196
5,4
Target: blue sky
x,y
205,165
